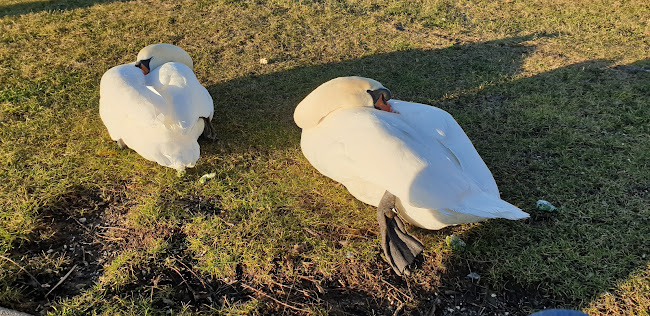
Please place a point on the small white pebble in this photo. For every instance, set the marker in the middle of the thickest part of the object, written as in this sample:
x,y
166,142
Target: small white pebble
x,y
82,220
49,251
493,295
264,61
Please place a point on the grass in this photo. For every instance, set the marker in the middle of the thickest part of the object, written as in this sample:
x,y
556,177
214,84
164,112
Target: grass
x,y
552,93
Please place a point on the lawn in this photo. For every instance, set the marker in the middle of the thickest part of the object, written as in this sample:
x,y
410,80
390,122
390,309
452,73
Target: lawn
x,y
555,95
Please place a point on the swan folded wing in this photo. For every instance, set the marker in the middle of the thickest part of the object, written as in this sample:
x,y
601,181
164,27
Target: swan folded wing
x,y
125,99
188,100
444,135
442,130
375,147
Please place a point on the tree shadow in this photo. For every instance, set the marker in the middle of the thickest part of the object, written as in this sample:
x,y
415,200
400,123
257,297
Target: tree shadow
x,y
47,5
572,136
565,136
60,244
569,136
258,109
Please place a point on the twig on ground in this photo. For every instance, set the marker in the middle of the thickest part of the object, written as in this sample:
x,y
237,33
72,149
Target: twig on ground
x,y
80,224
316,283
187,284
311,232
274,299
40,286
112,227
304,292
225,222
399,309
61,280
356,236
192,271
396,289
109,237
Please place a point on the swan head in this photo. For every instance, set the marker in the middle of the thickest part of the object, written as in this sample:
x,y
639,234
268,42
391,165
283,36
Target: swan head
x,y
342,92
155,55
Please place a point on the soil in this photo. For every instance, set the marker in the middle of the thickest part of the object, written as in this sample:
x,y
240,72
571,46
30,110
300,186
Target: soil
x,y
85,227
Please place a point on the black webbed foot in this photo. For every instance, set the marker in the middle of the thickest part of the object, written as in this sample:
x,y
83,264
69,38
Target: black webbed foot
x,y
400,247
208,130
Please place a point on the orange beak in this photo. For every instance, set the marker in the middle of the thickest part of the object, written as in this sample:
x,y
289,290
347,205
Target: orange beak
x,y
145,70
383,105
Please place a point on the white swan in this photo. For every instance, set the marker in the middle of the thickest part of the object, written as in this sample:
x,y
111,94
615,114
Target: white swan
x,y
405,158
157,107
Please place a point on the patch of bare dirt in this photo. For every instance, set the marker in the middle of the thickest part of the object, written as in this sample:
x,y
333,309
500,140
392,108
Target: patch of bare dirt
x,y
67,233
86,227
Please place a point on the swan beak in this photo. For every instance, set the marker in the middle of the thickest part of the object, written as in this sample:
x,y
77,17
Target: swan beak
x,y
144,65
381,104
145,70
379,98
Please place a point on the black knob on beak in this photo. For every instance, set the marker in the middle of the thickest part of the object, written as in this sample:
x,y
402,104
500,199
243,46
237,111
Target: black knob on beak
x,y
144,65
378,94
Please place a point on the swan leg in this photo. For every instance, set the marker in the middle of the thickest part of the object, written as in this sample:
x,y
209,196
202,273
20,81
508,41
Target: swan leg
x,y
121,144
208,130
400,247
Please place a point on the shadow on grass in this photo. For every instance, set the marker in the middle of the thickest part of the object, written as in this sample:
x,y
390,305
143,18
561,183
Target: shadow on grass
x,y
573,136
47,5
66,238
258,109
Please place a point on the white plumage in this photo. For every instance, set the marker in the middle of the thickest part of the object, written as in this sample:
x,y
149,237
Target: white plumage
x,y
161,114
417,152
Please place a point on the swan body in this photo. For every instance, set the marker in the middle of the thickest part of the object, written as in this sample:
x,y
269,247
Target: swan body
x,y
416,152
160,112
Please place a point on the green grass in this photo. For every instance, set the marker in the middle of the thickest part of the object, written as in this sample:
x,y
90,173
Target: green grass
x,y
548,91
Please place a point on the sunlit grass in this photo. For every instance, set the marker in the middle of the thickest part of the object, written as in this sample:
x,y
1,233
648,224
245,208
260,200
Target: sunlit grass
x,y
535,86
